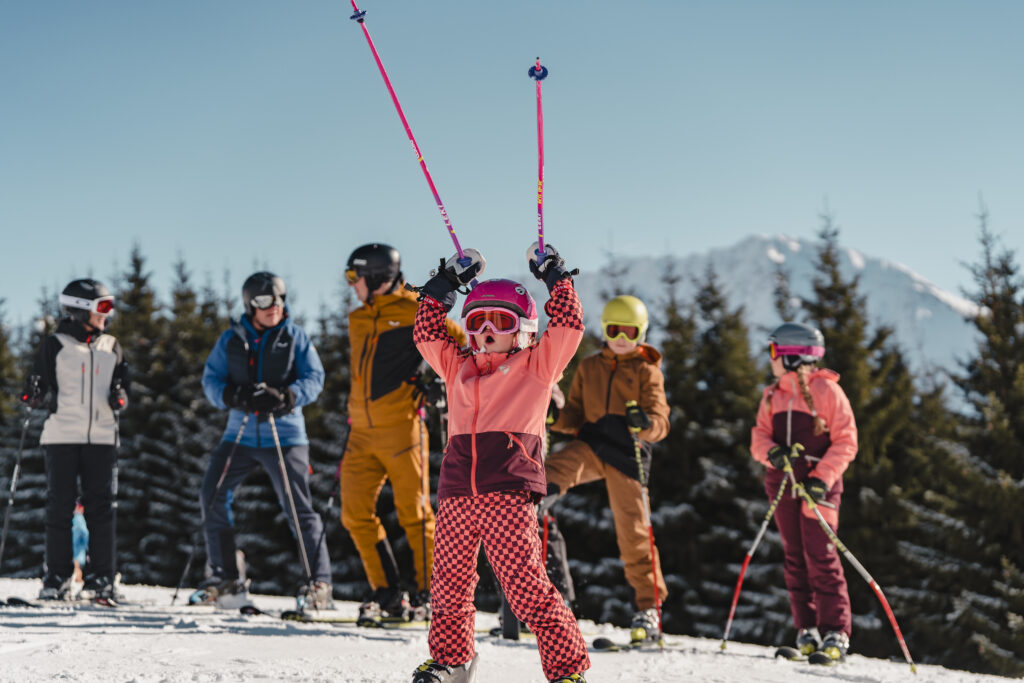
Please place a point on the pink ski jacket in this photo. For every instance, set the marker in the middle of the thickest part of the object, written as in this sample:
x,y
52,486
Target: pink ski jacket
x,y
497,402
784,419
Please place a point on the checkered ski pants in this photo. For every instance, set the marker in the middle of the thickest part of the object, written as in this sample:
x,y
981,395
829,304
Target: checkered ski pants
x,y
507,525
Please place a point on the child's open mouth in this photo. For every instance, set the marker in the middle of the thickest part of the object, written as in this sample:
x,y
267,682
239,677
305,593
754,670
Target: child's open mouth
x,y
489,339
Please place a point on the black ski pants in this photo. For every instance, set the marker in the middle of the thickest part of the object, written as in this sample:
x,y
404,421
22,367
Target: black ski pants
x,y
93,466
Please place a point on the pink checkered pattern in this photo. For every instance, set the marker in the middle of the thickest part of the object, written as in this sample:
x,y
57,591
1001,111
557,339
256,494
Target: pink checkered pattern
x,y
563,308
506,524
429,325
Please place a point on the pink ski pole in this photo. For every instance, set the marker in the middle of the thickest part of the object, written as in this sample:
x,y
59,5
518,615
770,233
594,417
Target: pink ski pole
x,y
359,16
539,73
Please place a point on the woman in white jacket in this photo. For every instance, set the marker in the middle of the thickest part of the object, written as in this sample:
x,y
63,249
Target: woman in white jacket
x,y
81,378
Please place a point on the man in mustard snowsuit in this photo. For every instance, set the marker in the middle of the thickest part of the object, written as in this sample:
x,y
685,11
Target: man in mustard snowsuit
x,y
388,437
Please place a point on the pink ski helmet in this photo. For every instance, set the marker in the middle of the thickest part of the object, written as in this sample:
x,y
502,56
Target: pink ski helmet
x,y
507,295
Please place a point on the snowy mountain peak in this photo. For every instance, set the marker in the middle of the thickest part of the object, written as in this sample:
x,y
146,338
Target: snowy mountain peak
x,y
930,324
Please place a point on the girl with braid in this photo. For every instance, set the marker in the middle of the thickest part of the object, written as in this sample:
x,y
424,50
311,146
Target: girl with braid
x,y
806,406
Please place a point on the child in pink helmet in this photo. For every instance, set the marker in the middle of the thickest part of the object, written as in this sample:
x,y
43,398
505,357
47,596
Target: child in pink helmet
x,y
493,473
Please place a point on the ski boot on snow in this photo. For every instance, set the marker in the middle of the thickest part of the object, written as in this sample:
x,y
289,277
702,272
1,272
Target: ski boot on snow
x,y
55,588
420,606
226,593
318,595
434,672
100,589
574,678
808,641
644,627
833,649
386,604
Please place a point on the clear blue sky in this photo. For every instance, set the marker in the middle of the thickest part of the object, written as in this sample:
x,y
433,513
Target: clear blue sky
x,y
239,133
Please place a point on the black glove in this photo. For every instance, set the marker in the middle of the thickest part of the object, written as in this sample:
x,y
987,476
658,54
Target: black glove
x,y
429,391
551,269
239,397
777,456
118,398
32,395
272,401
816,489
553,412
451,275
636,418
554,493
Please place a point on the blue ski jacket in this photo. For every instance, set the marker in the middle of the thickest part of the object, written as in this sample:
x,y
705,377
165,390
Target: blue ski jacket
x,y
282,356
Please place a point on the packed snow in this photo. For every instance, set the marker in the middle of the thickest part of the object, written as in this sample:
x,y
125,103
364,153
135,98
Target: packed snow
x,y
155,642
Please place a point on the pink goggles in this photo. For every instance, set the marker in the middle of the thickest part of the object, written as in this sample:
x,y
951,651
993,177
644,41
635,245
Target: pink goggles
x,y
500,320
775,350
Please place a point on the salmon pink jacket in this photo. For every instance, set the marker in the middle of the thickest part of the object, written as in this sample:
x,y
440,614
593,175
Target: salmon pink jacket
x,y
784,418
497,402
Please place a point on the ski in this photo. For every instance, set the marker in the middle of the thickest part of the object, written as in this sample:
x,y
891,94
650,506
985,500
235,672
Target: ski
x,y
15,601
609,645
790,653
823,659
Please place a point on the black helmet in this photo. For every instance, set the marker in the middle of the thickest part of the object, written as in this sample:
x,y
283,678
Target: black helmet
x,y
378,263
269,289
82,298
797,344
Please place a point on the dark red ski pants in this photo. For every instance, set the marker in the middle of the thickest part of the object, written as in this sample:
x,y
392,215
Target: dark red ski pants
x,y
818,595
506,524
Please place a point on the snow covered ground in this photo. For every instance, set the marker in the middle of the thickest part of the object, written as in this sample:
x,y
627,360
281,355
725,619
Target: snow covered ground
x,y
158,643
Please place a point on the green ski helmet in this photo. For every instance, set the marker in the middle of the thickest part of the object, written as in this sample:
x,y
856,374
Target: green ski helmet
x,y
624,316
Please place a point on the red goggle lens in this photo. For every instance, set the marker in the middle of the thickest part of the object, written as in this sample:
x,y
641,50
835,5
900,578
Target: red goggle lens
x,y
614,331
104,306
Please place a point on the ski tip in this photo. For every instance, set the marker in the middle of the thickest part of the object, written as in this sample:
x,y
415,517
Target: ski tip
x,y
604,644
790,653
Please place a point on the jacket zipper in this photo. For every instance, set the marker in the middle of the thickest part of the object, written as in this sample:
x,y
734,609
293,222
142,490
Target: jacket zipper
x,y
472,436
363,361
608,396
513,440
258,353
92,382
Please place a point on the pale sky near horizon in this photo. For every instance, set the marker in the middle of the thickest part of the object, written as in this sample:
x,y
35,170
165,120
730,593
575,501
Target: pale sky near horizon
x,y
239,134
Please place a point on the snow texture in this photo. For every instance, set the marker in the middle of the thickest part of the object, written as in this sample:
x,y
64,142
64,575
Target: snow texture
x,y
159,643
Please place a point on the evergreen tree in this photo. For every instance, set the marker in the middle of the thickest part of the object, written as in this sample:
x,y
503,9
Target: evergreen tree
x,y
145,424
709,499
189,429
24,554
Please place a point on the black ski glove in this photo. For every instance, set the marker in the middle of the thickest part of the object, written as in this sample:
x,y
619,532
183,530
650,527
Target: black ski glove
x,y
429,391
636,418
118,398
239,397
816,489
451,275
32,395
272,401
553,412
777,456
551,270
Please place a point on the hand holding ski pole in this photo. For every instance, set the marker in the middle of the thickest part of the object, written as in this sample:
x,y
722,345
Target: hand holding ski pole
x,y
452,276
813,505
551,268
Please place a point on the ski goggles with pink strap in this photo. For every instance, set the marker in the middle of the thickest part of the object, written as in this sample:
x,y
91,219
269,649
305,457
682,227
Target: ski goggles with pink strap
x,y
775,350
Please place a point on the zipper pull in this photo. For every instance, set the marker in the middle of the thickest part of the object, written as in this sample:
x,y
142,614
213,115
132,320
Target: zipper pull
x,y
509,446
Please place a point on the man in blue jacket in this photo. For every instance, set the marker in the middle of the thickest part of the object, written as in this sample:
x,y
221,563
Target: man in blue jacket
x,y
263,365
